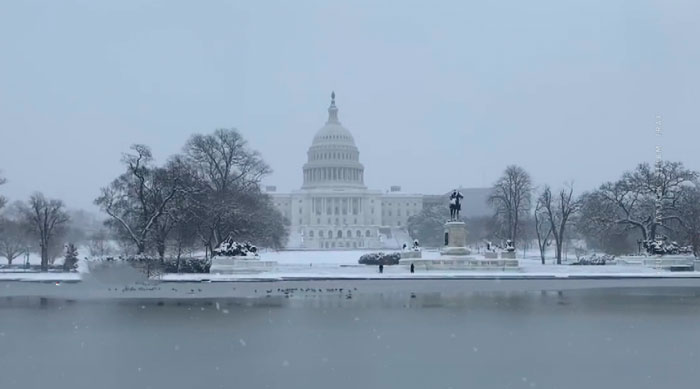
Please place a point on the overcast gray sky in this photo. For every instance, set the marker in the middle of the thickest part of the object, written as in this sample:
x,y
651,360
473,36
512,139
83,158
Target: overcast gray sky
x,y
437,94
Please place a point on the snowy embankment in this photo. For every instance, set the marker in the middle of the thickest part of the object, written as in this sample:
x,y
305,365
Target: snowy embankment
x,y
342,265
36,276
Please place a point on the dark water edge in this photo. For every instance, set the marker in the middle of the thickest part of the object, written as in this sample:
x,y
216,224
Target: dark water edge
x,y
632,337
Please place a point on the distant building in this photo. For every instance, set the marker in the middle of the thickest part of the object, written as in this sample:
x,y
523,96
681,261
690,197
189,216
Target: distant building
x,y
334,209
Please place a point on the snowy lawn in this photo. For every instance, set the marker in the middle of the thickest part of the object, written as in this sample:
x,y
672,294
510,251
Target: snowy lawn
x,y
34,276
343,264
339,257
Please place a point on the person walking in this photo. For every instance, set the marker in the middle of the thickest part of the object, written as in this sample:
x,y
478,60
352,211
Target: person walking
x,y
381,268
413,268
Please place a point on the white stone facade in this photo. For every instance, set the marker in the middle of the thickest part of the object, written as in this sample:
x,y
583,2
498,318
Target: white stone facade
x,y
334,209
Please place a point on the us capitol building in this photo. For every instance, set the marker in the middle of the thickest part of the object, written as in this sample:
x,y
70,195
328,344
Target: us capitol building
x,y
334,209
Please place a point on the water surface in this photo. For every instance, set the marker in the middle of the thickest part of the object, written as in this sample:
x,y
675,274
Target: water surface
x,y
614,337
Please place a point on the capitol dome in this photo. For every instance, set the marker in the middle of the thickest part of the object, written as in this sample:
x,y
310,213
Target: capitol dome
x,y
333,158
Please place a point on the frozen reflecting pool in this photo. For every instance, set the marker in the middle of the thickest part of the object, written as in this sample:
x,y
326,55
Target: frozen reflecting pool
x,y
614,337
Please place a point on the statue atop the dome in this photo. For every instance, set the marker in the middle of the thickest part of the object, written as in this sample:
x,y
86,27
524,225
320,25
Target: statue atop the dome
x,y
333,110
455,204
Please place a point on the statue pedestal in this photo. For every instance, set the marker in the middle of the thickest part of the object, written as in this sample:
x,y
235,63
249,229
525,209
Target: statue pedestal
x,y
456,239
508,255
411,254
239,264
454,255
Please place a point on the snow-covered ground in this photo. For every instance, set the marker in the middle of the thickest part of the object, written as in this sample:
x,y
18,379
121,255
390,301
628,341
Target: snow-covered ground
x,y
339,257
35,276
344,265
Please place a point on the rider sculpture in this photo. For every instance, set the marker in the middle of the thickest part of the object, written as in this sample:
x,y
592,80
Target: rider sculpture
x,y
455,204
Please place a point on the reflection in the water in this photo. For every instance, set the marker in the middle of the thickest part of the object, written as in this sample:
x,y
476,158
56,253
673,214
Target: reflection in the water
x,y
611,337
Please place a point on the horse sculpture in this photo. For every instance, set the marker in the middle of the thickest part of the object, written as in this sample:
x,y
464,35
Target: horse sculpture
x,y
455,204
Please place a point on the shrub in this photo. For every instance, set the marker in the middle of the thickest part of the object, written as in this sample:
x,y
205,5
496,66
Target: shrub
x,y
380,259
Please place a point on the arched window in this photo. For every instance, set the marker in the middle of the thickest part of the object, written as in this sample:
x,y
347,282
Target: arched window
x,y
368,233
330,234
340,234
349,234
320,233
358,234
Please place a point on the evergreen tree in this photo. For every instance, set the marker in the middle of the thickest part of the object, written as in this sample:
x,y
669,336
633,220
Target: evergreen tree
x,y
71,258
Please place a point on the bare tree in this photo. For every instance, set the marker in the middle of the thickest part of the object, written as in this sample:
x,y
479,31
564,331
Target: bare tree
x,y
543,227
510,197
181,176
225,160
138,198
645,199
45,217
559,211
99,243
230,171
13,239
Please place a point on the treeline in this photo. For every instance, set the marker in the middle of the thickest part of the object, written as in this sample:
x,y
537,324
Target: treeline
x,y
189,204
648,207
195,200
37,225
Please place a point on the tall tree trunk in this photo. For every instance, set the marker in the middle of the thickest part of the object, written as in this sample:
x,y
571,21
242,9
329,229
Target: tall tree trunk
x,y
558,253
558,243
161,251
652,232
44,256
140,247
179,254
